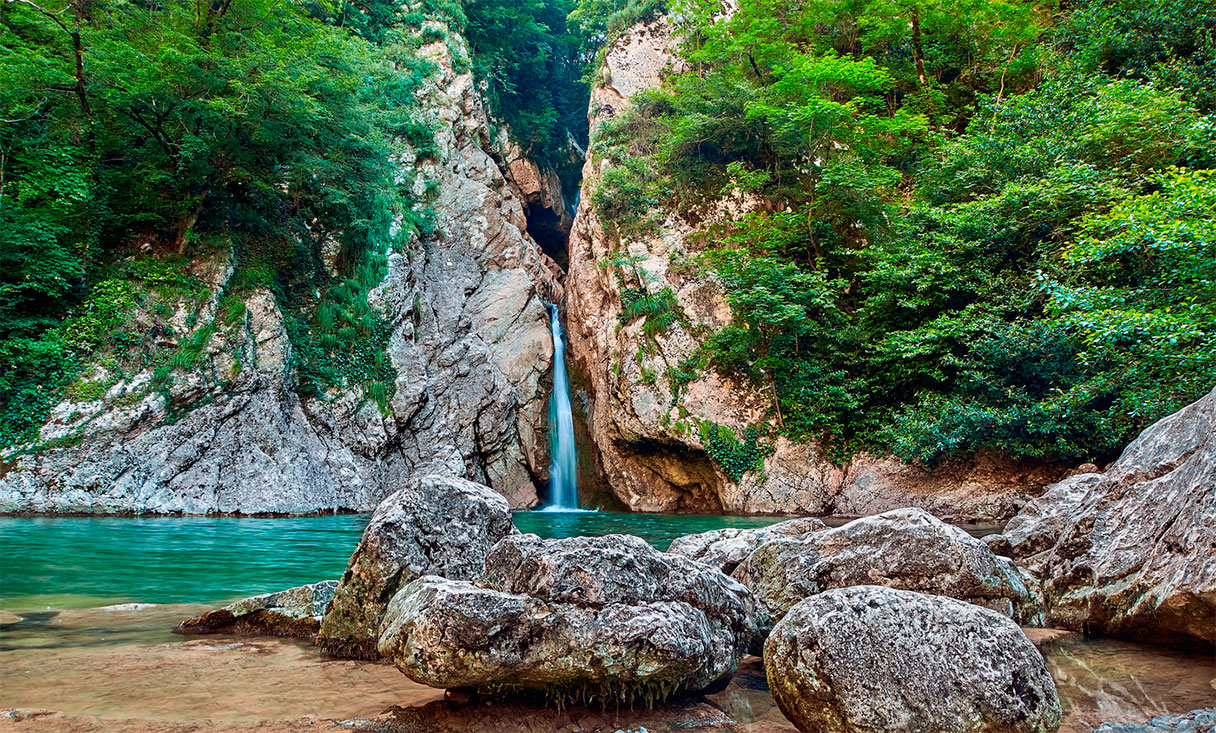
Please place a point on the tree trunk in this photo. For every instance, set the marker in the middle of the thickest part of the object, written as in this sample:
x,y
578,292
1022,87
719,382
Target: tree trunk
x,y
918,53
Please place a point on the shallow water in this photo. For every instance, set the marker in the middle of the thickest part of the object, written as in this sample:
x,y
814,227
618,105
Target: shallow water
x,y
120,667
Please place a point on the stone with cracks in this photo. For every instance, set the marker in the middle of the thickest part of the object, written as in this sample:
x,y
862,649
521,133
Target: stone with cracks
x,y
870,658
436,525
1131,552
602,620
294,612
906,548
726,548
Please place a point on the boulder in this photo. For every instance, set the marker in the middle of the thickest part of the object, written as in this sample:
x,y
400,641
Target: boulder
x,y
1131,552
906,548
295,612
436,525
1196,721
870,658
726,548
598,620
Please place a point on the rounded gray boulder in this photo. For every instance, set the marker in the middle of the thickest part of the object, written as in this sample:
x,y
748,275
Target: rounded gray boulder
x,y
436,525
908,549
871,658
598,620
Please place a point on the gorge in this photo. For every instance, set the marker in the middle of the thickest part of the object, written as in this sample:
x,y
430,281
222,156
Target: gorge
x,y
610,365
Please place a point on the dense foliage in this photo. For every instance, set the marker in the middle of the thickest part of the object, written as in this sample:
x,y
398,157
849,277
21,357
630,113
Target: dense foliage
x,y
981,225
531,64
143,136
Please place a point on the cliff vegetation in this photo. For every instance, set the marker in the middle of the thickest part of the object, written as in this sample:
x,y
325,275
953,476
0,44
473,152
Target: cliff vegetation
x,y
976,226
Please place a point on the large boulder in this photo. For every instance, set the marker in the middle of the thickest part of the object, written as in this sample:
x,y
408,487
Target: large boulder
x,y
870,658
1131,552
726,548
601,620
295,612
437,525
908,549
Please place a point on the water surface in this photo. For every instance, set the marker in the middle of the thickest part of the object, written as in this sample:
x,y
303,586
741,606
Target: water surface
x,y
82,562
120,668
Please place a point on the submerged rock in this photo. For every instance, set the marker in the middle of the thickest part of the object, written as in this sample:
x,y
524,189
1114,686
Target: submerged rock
x,y
295,612
436,525
601,620
1196,721
870,658
726,548
1132,552
906,548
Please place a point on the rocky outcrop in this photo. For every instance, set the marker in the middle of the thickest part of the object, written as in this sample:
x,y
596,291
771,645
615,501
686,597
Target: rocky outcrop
x,y
601,620
870,658
437,525
907,549
294,612
726,548
1131,551
1196,721
648,420
229,432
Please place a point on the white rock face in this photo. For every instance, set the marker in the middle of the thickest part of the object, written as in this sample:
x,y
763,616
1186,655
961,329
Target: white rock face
x,y
470,343
648,441
1131,552
870,658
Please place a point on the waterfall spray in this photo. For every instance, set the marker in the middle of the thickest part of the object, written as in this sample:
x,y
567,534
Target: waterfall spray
x,y
563,486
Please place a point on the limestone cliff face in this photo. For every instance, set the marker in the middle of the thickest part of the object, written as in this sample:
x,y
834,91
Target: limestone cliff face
x,y
470,343
645,424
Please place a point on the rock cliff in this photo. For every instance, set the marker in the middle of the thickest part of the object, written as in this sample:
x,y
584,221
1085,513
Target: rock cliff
x,y
470,344
648,421
1129,552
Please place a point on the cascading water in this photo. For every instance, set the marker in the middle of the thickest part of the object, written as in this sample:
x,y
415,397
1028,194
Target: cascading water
x,y
563,484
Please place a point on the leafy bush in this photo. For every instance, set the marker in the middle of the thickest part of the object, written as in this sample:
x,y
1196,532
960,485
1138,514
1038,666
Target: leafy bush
x,y
736,458
660,309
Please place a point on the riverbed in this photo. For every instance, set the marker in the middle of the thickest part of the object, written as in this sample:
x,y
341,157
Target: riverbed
x,y
86,605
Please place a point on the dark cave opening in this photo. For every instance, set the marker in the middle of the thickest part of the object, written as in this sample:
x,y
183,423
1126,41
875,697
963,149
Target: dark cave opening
x,y
551,232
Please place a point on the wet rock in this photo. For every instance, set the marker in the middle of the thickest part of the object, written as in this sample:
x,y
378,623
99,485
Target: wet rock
x,y
726,548
906,548
295,612
1129,552
1196,721
871,658
436,525
303,601
600,620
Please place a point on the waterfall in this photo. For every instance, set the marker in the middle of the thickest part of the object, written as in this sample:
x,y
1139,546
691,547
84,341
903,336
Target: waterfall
x,y
563,483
